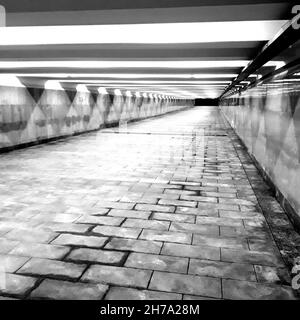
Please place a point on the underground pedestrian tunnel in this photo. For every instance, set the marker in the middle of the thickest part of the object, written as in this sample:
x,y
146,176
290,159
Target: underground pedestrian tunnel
x,y
149,149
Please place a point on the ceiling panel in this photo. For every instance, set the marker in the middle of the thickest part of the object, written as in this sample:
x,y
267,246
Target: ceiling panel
x,y
58,5
225,38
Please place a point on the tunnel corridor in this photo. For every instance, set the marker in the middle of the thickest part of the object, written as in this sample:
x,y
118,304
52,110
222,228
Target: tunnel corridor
x,y
165,208
149,150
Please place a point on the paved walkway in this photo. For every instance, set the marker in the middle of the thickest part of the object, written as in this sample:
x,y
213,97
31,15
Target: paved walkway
x,y
162,209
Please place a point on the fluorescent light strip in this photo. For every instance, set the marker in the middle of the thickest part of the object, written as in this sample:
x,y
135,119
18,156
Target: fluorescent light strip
x,y
191,32
276,64
287,80
146,82
128,75
188,64
158,85
166,89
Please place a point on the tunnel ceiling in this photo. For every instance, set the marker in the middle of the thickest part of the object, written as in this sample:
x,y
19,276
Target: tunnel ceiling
x,y
183,48
56,5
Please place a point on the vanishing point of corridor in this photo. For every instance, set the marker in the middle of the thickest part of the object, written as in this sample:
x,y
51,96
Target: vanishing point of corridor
x,y
164,208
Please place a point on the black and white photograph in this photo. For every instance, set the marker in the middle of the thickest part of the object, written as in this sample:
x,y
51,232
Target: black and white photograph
x,y
149,155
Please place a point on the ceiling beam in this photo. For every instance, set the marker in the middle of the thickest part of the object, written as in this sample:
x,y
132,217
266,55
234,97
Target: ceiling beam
x,y
250,12
287,36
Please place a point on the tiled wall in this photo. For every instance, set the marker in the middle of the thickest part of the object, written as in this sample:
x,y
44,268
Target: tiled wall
x,y
267,119
34,114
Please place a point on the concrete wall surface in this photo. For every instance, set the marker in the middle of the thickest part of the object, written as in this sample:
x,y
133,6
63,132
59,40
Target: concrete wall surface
x,y
35,114
267,119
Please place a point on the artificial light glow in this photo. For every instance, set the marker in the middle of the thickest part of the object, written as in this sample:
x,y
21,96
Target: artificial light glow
x,y
128,93
129,85
189,64
151,81
287,80
213,75
102,90
53,85
129,75
82,88
191,32
276,64
10,81
145,95
117,92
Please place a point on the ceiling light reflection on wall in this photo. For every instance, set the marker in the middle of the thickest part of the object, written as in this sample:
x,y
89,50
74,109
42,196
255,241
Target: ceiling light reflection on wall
x,y
276,64
102,90
117,92
53,85
82,88
10,81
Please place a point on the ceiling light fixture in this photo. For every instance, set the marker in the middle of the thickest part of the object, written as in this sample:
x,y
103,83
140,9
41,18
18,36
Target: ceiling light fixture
x,y
186,32
188,64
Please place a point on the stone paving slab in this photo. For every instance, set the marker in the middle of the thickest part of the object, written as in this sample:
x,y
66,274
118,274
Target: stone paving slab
x,y
17,285
130,214
182,250
244,290
254,257
117,276
121,293
40,236
174,210
117,231
64,290
39,250
134,245
79,240
157,262
11,263
188,284
7,245
52,268
220,242
167,236
96,256
221,269
146,224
